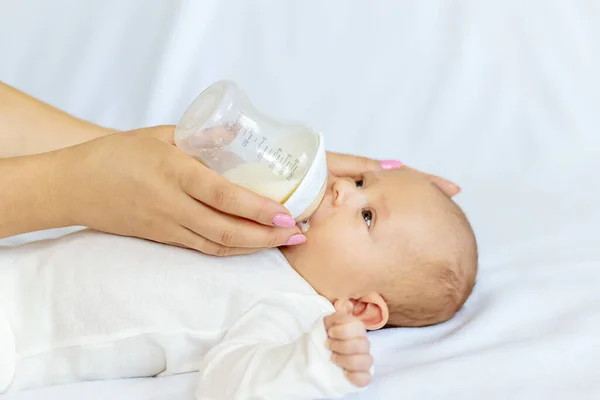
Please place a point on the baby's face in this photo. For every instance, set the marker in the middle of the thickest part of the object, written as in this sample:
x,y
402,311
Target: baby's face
x,y
365,227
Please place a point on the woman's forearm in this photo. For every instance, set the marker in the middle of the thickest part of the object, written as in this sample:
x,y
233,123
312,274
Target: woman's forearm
x,y
30,194
29,126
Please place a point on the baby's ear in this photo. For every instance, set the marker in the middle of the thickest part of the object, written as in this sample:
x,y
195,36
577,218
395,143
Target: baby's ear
x,y
372,310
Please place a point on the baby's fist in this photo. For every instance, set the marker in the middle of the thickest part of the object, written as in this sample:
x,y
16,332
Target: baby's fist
x,y
348,341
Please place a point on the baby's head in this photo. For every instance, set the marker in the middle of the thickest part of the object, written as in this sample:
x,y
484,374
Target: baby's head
x,y
394,245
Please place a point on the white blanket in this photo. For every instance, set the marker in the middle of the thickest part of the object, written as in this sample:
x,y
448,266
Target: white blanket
x,y
501,96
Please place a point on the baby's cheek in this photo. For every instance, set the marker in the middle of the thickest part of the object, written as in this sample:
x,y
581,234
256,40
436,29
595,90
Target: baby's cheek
x,y
319,244
333,243
331,227
320,215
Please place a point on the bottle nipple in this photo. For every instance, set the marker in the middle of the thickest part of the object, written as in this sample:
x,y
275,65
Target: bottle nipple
x,y
304,225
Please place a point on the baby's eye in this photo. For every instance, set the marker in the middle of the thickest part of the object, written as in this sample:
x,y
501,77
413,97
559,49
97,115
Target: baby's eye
x,y
359,183
368,217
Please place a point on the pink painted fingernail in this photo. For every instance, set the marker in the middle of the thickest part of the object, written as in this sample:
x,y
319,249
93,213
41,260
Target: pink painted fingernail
x,y
284,221
390,164
296,239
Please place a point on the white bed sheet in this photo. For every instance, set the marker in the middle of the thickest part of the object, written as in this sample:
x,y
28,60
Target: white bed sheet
x,y
501,96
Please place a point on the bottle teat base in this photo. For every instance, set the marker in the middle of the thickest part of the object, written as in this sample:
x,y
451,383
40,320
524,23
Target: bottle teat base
x,y
310,210
304,225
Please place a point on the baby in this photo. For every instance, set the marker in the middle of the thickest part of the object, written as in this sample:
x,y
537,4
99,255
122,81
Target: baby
x,y
388,249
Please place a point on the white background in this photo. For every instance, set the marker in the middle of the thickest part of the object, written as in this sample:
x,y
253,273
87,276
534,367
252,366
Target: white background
x,y
501,96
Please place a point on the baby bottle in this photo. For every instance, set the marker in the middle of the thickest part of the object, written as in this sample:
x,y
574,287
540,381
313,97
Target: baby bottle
x,y
284,162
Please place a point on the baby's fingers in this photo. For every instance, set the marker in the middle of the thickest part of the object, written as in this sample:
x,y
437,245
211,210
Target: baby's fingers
x,y
354,363
353,329
342,315
337,318
360,379
359,345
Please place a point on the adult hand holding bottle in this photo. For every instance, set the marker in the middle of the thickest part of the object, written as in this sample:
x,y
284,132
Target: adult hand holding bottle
x,y
57,171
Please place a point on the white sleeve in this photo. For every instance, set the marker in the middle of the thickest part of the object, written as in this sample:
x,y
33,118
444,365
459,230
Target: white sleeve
x,y
270,353
8,353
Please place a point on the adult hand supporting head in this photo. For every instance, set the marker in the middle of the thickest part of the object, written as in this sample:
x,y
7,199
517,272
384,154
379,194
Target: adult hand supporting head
x,y
350,165
139,184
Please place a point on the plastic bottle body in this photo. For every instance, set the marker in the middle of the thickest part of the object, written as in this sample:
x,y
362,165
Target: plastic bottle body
x,y
222,129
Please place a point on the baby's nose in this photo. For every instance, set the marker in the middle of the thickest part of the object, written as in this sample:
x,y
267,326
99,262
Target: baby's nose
x,y
342,188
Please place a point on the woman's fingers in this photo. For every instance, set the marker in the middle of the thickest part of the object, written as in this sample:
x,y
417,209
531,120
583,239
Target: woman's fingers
x,y
210,138
350,165
212,189
191,240
230,231
174,234
449,188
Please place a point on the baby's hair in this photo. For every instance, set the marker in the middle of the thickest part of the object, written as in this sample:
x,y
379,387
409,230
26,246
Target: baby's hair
x,y
449,278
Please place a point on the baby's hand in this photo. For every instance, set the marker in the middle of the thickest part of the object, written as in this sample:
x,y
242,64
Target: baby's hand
x,y
347,339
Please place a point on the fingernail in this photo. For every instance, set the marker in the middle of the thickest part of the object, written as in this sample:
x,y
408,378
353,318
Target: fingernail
x,y
390,164
296,239
284,221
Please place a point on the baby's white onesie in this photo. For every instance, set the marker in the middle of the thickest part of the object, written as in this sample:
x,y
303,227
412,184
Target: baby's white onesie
x,y
94,306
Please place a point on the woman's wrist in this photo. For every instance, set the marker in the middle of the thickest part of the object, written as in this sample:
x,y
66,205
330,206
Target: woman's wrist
x,y
30,126
33,190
